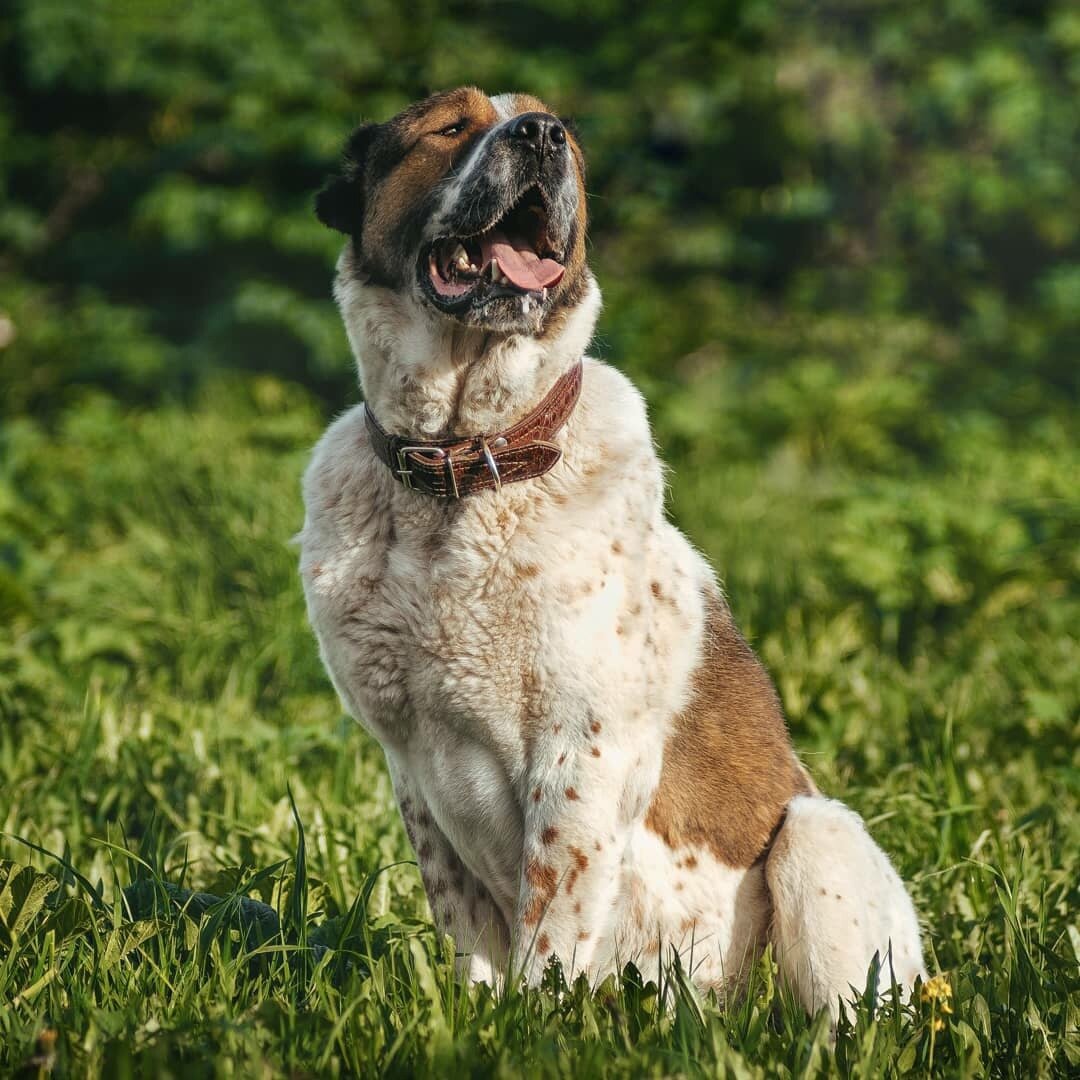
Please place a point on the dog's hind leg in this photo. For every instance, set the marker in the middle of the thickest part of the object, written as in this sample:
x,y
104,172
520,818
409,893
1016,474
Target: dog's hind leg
x,y
837,901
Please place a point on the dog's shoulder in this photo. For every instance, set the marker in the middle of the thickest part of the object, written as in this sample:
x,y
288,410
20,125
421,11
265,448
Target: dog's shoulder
x,y
337,457
609,442
611,403
342,491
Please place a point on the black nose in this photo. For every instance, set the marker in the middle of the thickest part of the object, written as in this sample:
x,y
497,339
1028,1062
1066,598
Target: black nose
x,y
541,131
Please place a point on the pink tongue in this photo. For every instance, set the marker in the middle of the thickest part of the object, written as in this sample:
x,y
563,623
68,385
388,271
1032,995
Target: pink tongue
x,y
520,263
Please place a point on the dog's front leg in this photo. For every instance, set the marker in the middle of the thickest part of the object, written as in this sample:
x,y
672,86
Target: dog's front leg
x,y
460,904
579,804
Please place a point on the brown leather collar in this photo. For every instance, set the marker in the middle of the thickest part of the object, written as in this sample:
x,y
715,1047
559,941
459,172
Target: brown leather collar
x,y
453,468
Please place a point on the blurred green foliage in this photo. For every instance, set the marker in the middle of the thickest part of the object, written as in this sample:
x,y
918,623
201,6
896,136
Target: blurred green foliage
x,y
839,245
907,171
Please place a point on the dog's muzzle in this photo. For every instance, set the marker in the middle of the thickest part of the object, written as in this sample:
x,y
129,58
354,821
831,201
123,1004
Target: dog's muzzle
x,y
503,231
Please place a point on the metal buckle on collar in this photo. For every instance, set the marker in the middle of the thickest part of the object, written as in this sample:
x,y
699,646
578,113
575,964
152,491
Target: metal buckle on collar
x,y
489,457
405,473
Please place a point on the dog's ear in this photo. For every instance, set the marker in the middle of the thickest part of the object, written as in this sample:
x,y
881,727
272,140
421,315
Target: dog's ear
x,y
340,203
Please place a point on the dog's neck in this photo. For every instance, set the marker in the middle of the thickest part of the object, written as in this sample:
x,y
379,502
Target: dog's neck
x,y
427,377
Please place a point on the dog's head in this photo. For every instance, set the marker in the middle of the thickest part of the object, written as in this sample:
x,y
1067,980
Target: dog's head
x,y
475,205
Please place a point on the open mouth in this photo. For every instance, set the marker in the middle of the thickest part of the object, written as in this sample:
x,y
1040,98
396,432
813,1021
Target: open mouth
x,y
511,258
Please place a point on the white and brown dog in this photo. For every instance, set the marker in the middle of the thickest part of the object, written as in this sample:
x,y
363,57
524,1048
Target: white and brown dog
x,y
590,761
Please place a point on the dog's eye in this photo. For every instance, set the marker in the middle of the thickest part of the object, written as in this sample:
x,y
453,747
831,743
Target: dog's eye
x,y
455,128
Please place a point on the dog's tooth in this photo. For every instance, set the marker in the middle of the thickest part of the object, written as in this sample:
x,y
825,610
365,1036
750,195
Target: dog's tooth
x,y
460,258
497,276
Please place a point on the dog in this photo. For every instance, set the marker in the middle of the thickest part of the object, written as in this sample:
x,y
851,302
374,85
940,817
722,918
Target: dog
x,y
591,763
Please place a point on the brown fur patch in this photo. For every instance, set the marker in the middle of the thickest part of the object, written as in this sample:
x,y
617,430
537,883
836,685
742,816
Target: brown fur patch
x,y
572,795
533,910
543,946
409,158
549,835
581,864
729,769
542,878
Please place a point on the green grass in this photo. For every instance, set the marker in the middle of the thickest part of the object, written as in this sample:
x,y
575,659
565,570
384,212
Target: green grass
x,y
163,704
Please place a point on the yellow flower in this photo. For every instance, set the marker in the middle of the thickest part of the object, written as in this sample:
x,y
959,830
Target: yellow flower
x,y
939,1025
935,989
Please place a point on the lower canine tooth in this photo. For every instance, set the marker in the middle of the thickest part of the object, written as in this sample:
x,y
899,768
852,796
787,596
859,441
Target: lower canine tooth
x,y
460,258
